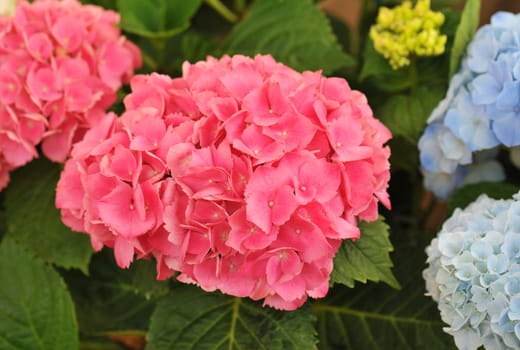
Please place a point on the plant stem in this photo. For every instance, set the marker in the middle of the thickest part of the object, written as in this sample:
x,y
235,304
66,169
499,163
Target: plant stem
x,y
149,61
223,10
159,45
412,73
240,6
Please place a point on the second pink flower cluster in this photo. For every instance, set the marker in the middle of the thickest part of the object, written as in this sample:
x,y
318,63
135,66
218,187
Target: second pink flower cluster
x,y
61,64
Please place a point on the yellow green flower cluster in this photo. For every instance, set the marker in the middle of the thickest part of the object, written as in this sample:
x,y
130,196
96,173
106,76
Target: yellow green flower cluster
x,y
405,30
7,7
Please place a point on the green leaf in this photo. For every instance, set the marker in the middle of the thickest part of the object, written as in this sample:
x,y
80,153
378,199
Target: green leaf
x,y
34,222
111,299
379,73
36,311
465,31
190,318
295,32
367,258
3,224
405,155
469,193
191,46
406,115
377,317
106,4
156,18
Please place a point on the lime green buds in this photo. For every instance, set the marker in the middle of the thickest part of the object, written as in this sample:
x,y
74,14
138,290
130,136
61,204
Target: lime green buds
x,y
404,31
7,7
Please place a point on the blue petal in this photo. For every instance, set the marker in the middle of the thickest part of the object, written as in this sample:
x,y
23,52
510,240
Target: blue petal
x,y
486,89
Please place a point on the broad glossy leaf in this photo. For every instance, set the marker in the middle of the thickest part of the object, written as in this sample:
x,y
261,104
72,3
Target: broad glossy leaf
x,y
190,318
405,156
191,46
36,311
379,73
463,196
110,300
295,32
107,4
377,317
466,29
3,224
34,222
406,115
156,18
368,258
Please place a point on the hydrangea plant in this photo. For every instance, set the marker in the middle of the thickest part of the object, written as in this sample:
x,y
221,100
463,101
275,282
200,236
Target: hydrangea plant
x,y
236,194
473,274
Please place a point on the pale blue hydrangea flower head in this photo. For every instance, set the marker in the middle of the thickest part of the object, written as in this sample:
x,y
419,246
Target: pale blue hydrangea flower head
x,y
481,109
473,273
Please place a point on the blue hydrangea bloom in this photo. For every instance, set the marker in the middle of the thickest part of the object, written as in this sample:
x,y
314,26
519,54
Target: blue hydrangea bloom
x,y
481,110
473,273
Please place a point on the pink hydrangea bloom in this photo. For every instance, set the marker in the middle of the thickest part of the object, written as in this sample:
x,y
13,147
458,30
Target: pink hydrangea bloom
x,y
61,64
242,176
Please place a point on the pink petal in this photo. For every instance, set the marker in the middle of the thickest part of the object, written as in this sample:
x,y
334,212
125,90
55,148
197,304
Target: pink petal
x,y
79,98
282,205
336,89
124,252
306,238
148,133
98,186
359,176
57,144
254,143
122,164
10,87
291,290
71,69
283,266
69,190
16,151
40,46
241,80
43,84
223,107
346,136
206,274
269,200
119,210
245,236
114,62
267,104
32,127
212,183
293,131
207,213
279,303
69,32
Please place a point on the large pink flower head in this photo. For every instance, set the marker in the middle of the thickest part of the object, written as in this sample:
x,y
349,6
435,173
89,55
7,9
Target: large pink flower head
x,y
242,176
61,64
